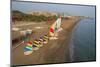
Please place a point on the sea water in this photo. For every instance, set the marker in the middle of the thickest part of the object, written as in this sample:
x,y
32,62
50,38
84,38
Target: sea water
x,y
83,43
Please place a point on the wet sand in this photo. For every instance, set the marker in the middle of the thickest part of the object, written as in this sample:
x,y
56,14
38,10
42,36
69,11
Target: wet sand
x,y
56,51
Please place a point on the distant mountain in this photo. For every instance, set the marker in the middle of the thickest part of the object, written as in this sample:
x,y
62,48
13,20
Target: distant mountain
x,y
17,12
17,15
35,16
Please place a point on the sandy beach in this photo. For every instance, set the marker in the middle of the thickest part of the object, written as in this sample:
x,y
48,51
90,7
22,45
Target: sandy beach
x,y
56,51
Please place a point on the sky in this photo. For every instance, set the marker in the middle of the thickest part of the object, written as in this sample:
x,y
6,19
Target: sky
x,y
76,10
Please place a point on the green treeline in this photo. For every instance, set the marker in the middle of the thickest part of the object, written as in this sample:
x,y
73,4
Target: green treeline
x,y
20,16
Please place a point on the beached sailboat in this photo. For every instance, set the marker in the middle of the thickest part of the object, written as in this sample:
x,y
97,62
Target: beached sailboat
x,y
55,28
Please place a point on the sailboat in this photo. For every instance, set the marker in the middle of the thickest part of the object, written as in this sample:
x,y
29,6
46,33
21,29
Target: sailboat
x,y
55,29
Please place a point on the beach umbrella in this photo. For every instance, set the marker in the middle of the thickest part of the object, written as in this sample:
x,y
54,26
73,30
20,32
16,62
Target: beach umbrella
x,y
37,43
29,43
46,37
35,47
29,47
28,50
45,41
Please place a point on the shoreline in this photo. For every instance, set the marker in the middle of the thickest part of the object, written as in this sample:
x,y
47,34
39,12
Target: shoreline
x,y
70,32
79,41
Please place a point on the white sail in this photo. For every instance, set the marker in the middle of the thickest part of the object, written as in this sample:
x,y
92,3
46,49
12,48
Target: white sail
x,y
58,22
